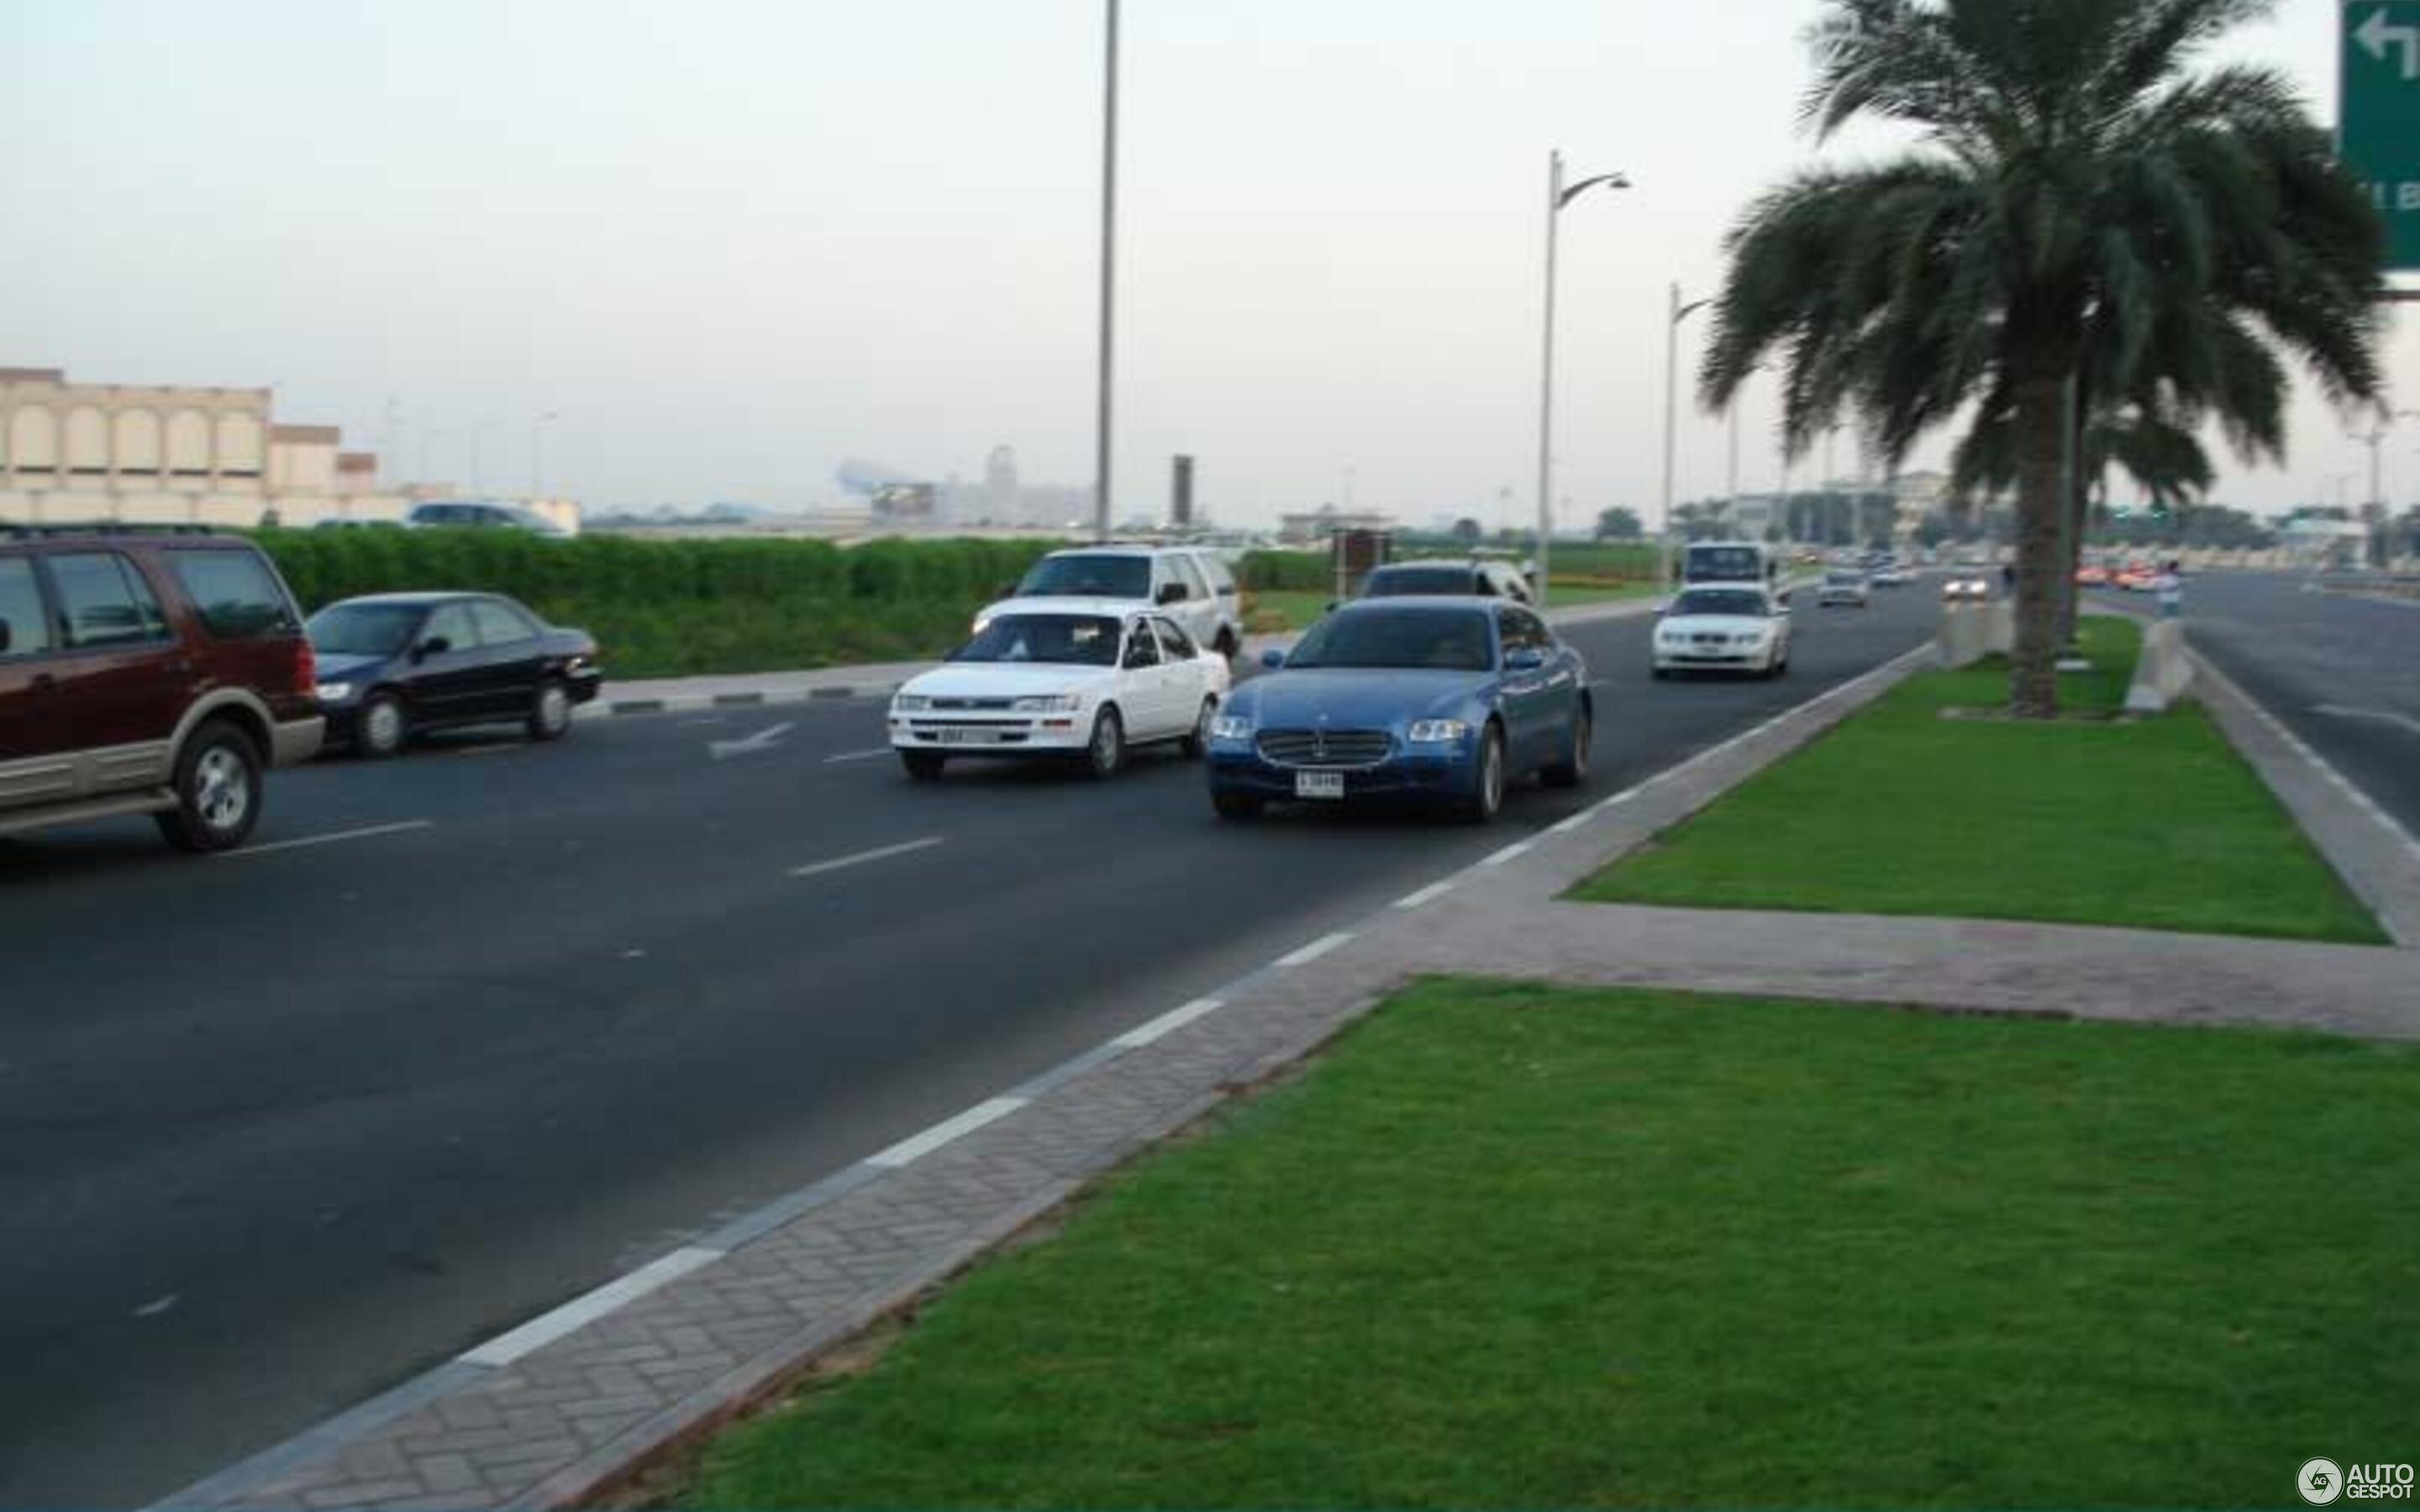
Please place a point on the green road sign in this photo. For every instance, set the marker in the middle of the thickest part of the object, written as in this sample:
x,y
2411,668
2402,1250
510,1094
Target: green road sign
x,y
2380,111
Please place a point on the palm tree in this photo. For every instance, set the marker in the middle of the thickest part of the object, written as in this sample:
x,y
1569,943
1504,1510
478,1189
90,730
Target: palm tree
x,y
2080,201
2147,440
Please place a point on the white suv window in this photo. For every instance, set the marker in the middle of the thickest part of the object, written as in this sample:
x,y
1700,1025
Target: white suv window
x,y
1196,587
1222,582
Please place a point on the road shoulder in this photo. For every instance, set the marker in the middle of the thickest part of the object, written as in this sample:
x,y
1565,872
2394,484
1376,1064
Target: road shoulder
x,y
2377,856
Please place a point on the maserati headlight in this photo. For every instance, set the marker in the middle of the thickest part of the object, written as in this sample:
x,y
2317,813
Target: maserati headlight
x,y
1048,704
1231,727
1438,731
335,692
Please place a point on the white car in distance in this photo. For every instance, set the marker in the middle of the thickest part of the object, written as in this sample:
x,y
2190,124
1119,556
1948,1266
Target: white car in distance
x,y
1726,628
1087,679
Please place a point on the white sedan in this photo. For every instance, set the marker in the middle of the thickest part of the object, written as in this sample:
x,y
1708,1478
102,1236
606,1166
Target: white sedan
x,y
1088,680
1727,629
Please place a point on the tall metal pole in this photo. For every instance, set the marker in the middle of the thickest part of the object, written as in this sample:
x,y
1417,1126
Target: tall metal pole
x,y
1108,279
1546,380
537,455
1671,419
1733,486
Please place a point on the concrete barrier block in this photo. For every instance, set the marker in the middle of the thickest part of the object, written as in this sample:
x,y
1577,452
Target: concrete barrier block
x,y
2165,671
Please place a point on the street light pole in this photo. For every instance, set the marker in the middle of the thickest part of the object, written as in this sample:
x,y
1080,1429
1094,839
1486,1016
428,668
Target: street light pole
x,y
1676,312
1108,278
538,454
2374,514
1558,196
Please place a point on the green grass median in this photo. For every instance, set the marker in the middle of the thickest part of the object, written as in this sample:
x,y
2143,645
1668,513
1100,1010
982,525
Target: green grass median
x,y
1518,1248
2154,824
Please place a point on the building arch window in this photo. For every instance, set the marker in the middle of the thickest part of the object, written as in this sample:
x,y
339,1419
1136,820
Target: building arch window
x,y
189,444
88,442
33,439
134,444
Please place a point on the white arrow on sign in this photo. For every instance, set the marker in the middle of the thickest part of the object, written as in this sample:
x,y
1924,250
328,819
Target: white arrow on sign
x,y
2377,37
763,740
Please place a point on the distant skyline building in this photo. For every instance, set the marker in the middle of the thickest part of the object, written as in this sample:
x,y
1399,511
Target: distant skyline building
x,y
1000,481
170,455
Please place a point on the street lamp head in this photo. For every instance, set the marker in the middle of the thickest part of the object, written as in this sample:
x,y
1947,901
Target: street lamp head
x,y
1609,181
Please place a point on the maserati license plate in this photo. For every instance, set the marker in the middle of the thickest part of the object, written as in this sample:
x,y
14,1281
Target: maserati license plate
x,y
1319,784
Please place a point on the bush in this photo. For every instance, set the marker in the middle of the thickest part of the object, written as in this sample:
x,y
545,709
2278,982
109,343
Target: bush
x,y
680,608
1286,571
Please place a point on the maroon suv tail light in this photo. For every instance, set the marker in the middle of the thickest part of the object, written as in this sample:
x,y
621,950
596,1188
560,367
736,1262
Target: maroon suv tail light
x,y
306,669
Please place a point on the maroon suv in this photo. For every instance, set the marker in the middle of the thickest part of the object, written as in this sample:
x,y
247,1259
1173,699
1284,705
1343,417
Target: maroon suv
x,y
155,672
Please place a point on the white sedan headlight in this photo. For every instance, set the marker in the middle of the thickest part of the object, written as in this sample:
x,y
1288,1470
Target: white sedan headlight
x,y
910,703
1048,704
1231,727
1438,731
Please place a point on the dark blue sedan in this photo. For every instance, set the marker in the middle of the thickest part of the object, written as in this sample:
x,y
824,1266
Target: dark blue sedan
x,y
1438,700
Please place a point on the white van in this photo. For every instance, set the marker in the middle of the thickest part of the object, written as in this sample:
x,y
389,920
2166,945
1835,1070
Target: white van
x,y
1729,561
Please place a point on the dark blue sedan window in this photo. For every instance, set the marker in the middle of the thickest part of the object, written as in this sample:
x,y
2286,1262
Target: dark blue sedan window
x,y
1441,639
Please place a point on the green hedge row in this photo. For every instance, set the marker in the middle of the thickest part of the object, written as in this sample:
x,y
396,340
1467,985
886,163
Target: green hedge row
x,y
680,608
1312,572
1286,571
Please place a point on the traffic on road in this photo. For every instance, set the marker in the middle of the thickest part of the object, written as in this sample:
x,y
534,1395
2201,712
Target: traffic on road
x,y
558,1005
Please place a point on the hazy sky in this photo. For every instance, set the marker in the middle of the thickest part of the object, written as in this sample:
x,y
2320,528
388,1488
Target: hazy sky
x,y
731,245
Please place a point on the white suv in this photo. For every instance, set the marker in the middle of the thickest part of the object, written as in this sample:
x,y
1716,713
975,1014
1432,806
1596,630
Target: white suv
x,y
1188,584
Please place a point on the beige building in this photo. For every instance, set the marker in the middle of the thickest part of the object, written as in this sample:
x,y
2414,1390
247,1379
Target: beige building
x,y
77,453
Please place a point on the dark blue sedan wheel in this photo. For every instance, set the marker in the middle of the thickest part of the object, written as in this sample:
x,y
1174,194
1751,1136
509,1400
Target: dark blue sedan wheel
x,y
1486,799
1573,769
381,727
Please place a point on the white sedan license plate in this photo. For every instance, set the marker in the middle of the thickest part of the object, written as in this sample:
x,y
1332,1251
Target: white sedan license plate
x,y
1319,784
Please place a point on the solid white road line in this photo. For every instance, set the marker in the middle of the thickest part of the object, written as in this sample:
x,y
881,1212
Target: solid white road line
x,y
1425,897
1167,1023
1311,952
1576,821
856,756
2376,715
1510,852
862,857
580,1311
917,1146
372,832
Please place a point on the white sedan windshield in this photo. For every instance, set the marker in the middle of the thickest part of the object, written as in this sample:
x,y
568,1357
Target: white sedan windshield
x,y
1063,639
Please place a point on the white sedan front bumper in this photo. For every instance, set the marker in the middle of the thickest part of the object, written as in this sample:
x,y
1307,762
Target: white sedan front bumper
x,y
991,735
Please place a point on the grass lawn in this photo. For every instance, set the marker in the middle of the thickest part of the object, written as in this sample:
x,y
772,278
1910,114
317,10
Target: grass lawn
x,y
1287,610
1510,1246
2156,825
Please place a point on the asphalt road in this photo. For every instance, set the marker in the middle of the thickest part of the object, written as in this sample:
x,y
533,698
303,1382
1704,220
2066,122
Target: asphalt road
x,y
280,1129
2342,673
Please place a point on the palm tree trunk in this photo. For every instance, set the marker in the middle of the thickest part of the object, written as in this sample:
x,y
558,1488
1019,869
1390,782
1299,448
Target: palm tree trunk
x,y
2079,514
2041,501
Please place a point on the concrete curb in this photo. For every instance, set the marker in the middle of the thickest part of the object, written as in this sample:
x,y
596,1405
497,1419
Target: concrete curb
x,y
2378,858
578,1399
